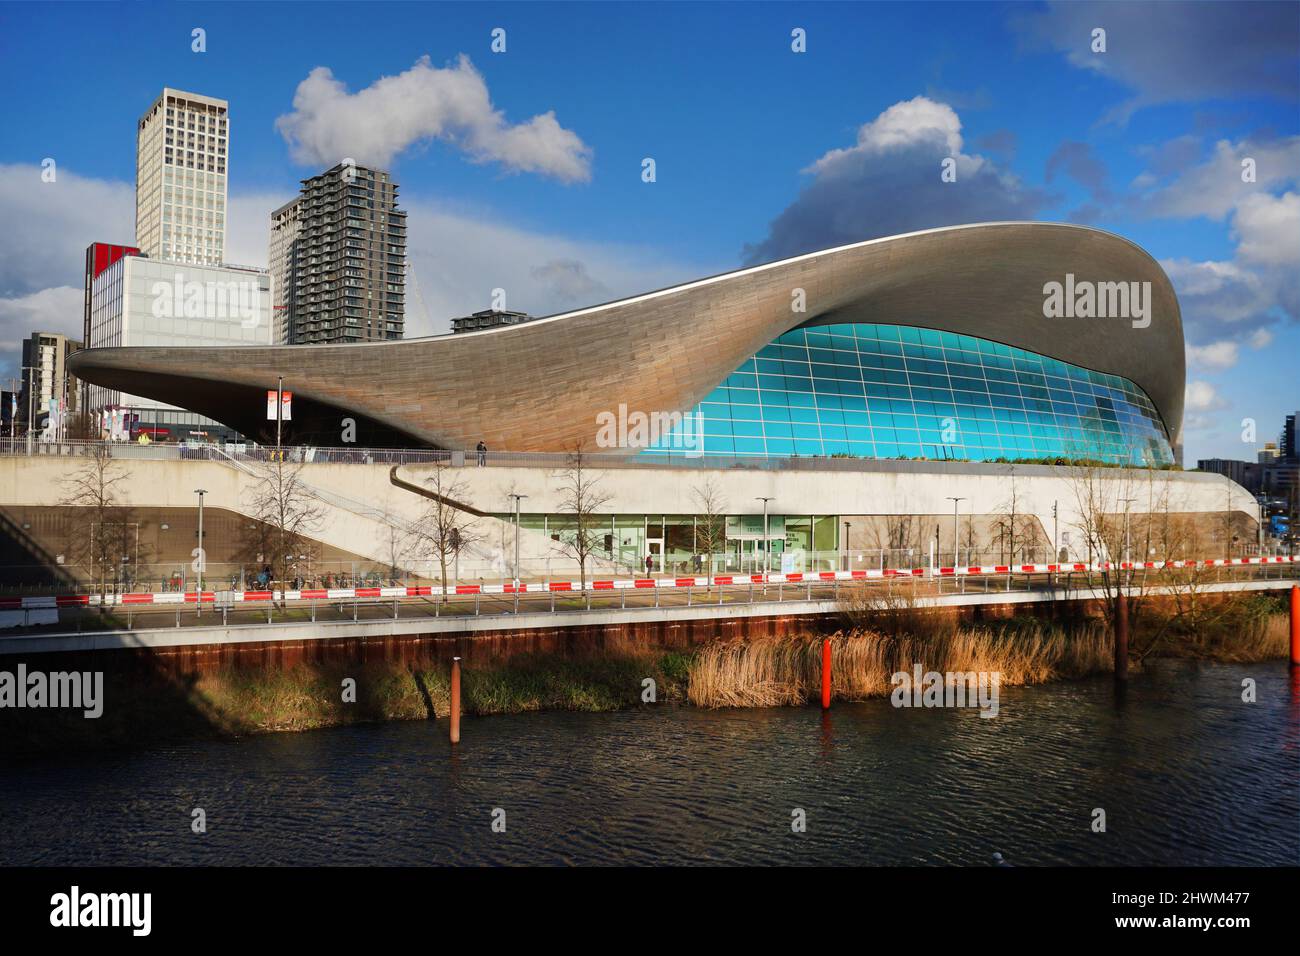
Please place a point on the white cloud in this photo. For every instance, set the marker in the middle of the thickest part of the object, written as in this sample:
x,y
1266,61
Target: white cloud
x,y
1202,399
1268,229
1216,355
451,104
58,309
49,225
854,193
1214,188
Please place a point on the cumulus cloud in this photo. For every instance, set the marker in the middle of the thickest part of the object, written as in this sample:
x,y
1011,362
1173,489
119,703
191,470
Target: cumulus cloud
x,y
49,225
1216,355
450,104
49,310
1258,287
1180,185
1203,397
1175,52
888,182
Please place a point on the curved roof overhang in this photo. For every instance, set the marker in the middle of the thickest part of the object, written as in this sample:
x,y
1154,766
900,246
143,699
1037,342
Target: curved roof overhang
x,y
538,386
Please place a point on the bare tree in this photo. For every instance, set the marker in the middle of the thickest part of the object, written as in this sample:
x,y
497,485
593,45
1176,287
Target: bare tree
x,y
95,487
581,498
1013,532
710,521
896,534
399,542
291,513
446,528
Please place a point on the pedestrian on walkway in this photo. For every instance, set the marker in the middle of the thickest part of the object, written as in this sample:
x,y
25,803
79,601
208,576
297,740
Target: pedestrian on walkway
x,y
481,448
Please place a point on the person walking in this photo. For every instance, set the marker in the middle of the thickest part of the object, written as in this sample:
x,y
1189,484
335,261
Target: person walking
x,y
481,448
649,564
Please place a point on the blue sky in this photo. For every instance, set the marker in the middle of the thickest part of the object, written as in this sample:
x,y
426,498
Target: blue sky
x,y
760,152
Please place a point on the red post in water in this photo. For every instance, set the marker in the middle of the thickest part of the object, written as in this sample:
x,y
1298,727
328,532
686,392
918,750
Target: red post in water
x,y
1295,626
455,700
826,670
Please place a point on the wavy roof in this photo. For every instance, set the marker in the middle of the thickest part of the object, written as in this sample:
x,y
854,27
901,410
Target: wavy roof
x,y
538,386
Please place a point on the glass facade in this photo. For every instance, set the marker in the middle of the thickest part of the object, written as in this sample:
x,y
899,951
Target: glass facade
x,y
886,391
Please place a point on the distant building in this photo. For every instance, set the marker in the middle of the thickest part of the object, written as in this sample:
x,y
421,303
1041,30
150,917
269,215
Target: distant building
x,y
286,226
1290,450
180,178
47,388
341,248
488,319
136,301
1269,453
1239,471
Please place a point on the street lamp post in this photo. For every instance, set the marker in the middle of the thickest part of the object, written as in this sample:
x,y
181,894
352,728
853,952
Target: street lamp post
x,y
847,565
955,543
200,566
1128,553
517,498
767,564
31,388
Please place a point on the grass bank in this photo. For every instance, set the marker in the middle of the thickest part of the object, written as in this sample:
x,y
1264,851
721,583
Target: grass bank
x,y
145,708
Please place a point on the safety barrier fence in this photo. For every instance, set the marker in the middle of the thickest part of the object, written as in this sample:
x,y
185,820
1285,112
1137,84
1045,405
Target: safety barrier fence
x,y
231,598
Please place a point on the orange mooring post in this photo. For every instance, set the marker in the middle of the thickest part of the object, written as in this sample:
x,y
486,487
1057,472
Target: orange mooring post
x,y
826,671
1295,626
455,700
1121,637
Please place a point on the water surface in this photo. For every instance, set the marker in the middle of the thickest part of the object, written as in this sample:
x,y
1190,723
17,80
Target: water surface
x,y
1186,772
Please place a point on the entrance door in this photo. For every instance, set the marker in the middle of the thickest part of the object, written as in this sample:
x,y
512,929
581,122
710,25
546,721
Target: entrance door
x,y
654,548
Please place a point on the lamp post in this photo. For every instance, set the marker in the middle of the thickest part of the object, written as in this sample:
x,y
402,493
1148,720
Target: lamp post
x,y
202,556
31,388
517,498
279,414
955,543
1128,555
767,564
846,546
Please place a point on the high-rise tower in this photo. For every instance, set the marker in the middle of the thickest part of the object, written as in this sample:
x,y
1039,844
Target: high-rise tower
x,y
182,144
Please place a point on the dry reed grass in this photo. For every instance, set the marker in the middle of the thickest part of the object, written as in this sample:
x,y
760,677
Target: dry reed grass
x,y
771,672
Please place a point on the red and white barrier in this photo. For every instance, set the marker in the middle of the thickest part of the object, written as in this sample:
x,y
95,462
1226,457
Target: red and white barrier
x,y
615,584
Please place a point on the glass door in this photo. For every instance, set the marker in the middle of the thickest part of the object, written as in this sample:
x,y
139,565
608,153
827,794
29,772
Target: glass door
x,y
654,549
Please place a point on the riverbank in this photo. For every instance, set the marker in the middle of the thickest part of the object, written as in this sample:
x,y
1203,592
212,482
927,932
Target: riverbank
x,y
143,708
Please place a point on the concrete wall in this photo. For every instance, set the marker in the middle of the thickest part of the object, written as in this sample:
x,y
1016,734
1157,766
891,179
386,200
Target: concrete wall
x,y
361,499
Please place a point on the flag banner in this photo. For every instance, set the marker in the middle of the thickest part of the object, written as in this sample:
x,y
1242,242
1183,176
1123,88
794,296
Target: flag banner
x,y
286,405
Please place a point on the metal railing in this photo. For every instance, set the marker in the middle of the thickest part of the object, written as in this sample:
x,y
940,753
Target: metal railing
x,y
311,454
363,605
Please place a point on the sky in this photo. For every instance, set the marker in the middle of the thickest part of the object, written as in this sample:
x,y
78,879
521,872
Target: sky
x,y
522,169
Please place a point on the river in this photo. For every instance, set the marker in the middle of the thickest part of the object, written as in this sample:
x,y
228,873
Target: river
x,y
1185,771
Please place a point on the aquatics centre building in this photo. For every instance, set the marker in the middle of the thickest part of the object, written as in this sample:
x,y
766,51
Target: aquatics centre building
x,y
883,378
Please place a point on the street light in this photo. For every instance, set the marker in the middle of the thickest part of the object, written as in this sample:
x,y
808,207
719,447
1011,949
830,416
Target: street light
x,y
846,546
517,498
202,556
1128,555
955,548
767,564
